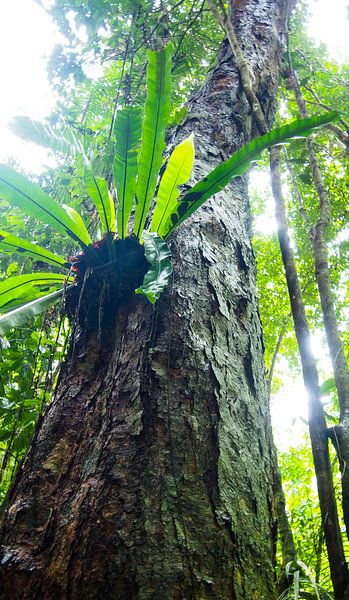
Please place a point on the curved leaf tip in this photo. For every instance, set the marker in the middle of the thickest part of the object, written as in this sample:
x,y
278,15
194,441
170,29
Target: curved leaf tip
x,y
157,278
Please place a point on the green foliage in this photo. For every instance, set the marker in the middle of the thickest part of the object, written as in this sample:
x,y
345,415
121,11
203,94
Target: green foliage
x,y
11,243
30,359
77,218
327,386
178,171
238,164
158,255
303,584
23,287
43,134
321,88
170,210
304,514
127,131
122,32
19,191
157,112
97,189
23,314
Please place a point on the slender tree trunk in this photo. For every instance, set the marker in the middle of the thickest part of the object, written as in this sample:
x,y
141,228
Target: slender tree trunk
x,y
288,549
151,474
340,434
317,422
275,356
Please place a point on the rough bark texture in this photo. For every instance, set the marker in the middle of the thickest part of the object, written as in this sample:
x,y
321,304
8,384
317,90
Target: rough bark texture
x,y
317,421
151,474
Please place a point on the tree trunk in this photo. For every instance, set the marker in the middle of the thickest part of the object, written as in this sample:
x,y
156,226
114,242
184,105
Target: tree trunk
x,y
318,239
317,421
151,473
288,549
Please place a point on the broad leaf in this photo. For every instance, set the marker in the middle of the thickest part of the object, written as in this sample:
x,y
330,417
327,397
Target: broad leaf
x,y
238,164
97,189
177,172
63,141
127,130
20,286
11,243
157,111
158,255
22,314
66,143
327,386
77,218
19,191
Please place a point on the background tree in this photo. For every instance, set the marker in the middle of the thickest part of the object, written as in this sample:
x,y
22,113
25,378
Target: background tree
x,y
303,205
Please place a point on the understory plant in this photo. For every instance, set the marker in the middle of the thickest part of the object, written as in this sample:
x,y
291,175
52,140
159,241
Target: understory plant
x,y
303,584
138,209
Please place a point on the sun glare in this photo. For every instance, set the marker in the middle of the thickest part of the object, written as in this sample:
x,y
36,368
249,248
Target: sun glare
x,y
329,23
27,37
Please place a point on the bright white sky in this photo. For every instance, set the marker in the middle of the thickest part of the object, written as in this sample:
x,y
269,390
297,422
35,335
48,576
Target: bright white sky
x,y
27,37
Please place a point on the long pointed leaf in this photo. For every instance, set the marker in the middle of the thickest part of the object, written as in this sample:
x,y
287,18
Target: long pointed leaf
x,y
22,314
77,218
63,141
11,243
158,255
19,191
238,164
127,130
66,142
97,189
157,111
296,585
19,286
177,172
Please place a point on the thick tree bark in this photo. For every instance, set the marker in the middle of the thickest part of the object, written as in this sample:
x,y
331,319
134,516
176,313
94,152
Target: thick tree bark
x,y
317,421
151,474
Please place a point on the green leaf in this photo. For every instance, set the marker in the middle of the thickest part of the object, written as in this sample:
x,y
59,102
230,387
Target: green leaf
x,y
11,243
158,255
63,141
18,190
157,111
77,218
12,269
327,386
20,286
19,316
127,130
66,143
238,164
177,172
296,585
97,189
309,577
